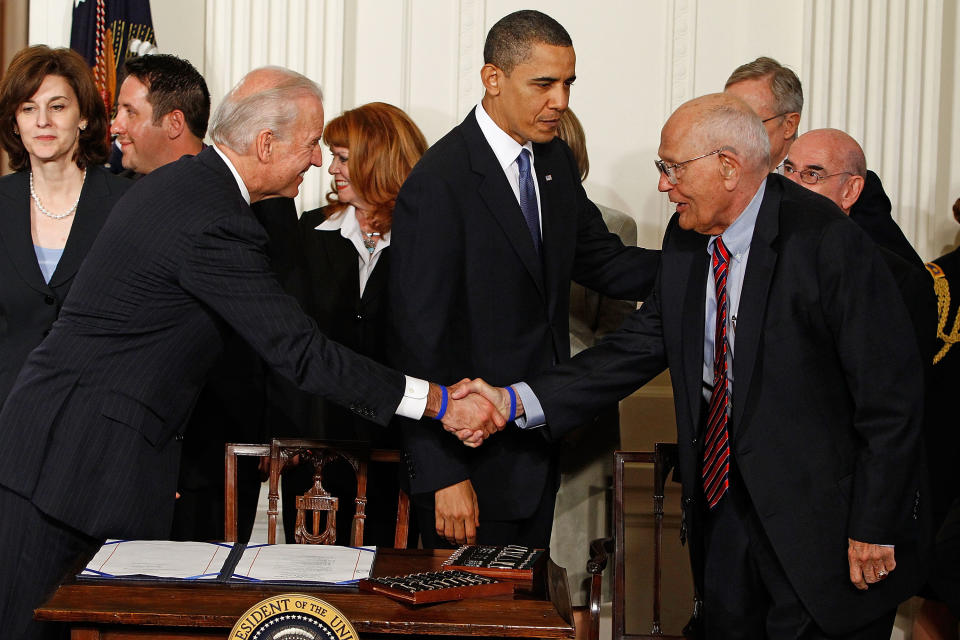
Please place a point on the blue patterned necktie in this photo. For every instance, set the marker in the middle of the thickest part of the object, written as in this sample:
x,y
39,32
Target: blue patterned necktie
x,y
528,198
716,453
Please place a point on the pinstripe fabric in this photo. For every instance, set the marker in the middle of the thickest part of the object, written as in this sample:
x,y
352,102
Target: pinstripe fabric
x,y
88,431
41,555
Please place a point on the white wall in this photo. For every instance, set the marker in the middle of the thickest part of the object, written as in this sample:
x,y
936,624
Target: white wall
x,y
882,69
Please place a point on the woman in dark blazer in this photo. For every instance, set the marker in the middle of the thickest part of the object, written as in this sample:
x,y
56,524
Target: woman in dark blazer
x,y
53,126
346,244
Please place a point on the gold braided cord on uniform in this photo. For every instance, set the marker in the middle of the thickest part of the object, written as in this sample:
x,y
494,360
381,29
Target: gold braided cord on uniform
x,y
942,288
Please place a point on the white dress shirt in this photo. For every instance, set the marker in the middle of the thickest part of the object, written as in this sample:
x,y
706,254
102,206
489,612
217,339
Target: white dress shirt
x,y
346,223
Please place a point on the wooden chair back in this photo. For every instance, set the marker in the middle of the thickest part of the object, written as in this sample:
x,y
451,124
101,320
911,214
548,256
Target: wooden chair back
x,y
316,509
663,459
233,450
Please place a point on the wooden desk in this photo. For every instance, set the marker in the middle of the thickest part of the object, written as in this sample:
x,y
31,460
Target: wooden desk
x,y
127,610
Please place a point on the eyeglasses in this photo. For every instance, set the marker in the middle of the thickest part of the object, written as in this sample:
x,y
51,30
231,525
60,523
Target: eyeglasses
x,y
809,176
670,170
779,115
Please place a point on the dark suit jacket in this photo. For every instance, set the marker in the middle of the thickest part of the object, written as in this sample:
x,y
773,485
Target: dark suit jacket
x,y
28,304
470,297
827,396
242,401
872,211
359,322
87,433
943,437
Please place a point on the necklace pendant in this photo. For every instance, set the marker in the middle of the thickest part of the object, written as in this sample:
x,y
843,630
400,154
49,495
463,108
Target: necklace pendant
x,y
370,240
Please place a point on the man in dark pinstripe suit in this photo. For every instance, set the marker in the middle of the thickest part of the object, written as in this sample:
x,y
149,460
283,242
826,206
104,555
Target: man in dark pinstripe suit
x,y
88,446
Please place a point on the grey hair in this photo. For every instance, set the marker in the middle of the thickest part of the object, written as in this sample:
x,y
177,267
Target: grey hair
x,y
728,123
784,83
243,114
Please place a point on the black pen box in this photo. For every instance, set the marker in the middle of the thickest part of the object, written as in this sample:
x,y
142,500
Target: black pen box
x,y
506,562
437,586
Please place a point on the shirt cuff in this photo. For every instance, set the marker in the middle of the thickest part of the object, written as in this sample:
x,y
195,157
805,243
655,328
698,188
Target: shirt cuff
x,y
414,401
533,413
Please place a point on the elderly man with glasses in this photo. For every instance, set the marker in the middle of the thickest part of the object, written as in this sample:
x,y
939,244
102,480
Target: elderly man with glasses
x,y
797,388
832,163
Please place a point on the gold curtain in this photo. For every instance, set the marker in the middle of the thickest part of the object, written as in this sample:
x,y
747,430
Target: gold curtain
x,y
13,37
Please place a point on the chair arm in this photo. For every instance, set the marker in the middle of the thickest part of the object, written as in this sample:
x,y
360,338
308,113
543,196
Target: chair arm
x,y
600,550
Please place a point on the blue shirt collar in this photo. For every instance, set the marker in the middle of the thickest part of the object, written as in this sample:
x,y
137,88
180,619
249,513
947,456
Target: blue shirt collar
x,y
737,236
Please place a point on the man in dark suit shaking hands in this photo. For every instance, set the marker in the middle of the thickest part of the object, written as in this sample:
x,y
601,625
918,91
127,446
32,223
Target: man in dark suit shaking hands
x,y
88,446
489,229
797,386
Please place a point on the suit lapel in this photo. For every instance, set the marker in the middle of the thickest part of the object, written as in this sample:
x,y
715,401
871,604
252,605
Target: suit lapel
x,y
90,215
499,199
556,225
15,229
694,312
753,299
343,263
377,283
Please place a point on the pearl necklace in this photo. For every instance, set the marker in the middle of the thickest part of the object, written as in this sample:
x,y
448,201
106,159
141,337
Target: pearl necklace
x,y
55,216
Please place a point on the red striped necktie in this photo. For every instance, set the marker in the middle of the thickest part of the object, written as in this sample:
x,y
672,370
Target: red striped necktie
x,y
716,452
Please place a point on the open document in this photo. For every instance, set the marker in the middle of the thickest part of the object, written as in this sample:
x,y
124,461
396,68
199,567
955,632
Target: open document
x,y
159,559
230,562
305,563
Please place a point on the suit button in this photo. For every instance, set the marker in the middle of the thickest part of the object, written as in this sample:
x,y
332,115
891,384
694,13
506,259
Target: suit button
x,y
49,299
359,316
694,442
688,501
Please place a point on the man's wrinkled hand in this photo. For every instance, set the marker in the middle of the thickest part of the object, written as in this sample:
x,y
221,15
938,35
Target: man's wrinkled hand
x,y
497,396
869,563
457,514
472,418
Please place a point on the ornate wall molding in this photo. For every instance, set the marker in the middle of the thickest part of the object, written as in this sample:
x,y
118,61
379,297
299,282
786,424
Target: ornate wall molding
x,y
872,69
303,35
470,54
680,67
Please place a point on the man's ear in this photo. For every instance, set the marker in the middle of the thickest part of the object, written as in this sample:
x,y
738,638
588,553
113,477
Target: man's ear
x,y
174,124
730,170
791,122
491,76
852,189
264,144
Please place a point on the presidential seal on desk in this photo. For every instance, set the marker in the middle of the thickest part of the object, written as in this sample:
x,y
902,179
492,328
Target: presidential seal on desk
x,y
292,616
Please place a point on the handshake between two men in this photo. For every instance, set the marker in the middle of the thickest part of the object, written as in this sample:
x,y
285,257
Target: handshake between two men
x,y
473,410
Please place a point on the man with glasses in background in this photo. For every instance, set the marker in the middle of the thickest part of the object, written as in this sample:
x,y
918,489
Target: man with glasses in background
x,y
774,92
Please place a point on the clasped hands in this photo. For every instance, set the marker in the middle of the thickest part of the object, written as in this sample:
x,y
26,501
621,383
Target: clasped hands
x,y
475,410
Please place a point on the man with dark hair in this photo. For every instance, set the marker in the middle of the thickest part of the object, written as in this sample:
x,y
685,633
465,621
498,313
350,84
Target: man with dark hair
x,y
510,40
162,112
774,92
489,229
